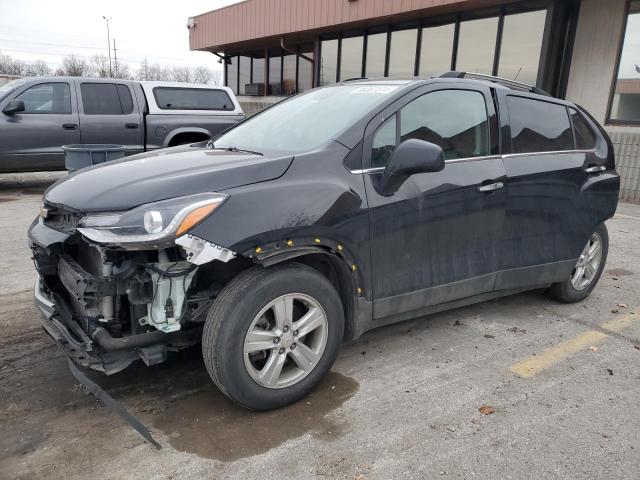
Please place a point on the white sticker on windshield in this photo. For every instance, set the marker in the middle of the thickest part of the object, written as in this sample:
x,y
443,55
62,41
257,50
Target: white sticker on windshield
x,y
384,89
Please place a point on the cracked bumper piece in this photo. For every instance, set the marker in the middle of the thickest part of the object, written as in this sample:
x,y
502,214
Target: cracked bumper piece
x,y
101,351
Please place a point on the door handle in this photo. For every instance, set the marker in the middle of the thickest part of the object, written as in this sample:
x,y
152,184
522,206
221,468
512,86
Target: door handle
x,y
595,169
131,125
70,126
492,187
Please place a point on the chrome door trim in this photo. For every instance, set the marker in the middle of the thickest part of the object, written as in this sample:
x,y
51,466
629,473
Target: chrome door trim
x,y
367,170
554,152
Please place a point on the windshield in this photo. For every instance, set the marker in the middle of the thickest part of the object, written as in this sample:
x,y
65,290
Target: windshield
x,y
306,121
7,88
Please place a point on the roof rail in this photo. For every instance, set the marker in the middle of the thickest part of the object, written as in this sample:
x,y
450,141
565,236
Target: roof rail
x,y
512,84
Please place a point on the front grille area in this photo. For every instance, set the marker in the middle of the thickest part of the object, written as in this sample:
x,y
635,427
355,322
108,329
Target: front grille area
x,y
61,220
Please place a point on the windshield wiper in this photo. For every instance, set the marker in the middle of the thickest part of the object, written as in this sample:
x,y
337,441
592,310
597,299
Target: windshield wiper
x,y
211,146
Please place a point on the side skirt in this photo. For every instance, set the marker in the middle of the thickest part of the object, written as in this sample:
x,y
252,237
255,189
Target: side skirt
x,y
430,310
412,305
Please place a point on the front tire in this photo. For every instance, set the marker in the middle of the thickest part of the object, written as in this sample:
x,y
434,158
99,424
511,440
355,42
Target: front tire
x,y
272,334
587,271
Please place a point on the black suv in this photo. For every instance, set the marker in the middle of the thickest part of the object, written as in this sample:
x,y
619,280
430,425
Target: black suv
x,y
334,212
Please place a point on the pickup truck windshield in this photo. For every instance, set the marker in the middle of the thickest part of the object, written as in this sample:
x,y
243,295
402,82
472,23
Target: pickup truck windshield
x,y
306,121
7,88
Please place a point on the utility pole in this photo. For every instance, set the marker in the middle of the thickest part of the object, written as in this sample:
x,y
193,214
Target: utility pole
x,y
106,19
115,57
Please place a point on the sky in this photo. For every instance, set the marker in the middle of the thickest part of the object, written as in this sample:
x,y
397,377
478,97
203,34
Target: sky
x,y
155,29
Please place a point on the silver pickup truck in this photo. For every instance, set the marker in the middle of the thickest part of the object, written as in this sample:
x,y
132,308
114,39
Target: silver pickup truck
x,y
39,115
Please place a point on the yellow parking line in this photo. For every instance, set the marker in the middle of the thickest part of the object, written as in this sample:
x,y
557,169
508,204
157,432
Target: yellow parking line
x,y
536,363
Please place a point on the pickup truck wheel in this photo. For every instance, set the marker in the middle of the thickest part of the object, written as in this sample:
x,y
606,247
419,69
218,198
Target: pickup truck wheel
x,y
272,334
587,271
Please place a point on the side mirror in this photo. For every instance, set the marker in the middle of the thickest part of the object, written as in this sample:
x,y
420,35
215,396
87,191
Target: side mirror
x,y
410,157
416,156
14,106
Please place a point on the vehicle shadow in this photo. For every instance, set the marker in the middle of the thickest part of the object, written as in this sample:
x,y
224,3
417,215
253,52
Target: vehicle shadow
x,y
179,399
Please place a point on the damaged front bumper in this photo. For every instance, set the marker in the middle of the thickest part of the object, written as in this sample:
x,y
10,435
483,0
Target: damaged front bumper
x,y
107,309
101,351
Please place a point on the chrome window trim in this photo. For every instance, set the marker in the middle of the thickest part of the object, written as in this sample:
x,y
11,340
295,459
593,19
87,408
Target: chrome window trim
x,y
367,170
472,159
485,157
552,152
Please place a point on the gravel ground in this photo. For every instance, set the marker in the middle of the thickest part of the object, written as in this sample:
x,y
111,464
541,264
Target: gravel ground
x,y
401,402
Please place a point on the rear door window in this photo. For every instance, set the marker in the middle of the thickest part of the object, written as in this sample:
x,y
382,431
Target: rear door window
x,y
585,138
176,98
106,99
49,98
538,126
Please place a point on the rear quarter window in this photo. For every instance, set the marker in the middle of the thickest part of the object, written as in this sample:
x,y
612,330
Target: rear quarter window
x,y
538,126
176,98
585,138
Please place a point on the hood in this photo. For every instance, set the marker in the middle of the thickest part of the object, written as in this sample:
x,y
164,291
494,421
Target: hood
x,y
166,173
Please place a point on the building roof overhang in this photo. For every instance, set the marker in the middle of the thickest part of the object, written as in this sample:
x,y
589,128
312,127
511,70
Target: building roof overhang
x,y
258,24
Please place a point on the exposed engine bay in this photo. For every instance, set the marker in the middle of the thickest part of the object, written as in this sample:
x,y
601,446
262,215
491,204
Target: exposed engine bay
x,y
115,305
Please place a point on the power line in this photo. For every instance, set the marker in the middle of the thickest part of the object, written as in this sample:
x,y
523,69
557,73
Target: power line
x,y
4,39
62,45
128,59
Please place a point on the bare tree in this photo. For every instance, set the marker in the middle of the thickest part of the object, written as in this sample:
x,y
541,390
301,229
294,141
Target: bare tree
x,y
73,66
149,71
144,72
216,77
202,75
121,70
11,66
99,66
38,68
182,74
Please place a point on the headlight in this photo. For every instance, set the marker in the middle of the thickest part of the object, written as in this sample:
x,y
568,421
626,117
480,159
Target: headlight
x,y
150,224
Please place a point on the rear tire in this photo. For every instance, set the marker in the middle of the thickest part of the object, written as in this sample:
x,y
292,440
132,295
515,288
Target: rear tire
x,y
256,358
587,271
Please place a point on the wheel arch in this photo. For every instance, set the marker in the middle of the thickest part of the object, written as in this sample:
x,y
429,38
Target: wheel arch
x,y
332,260
186,131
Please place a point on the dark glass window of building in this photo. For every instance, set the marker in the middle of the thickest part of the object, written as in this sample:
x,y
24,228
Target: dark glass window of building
x,y
376,52
477,45
305,68
289,74
351,58
328,61
402,56
585,138
106,99
275,72
456,120
232,74
625,105
538,126
258,70
436,49
245,74
521,45
47,98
